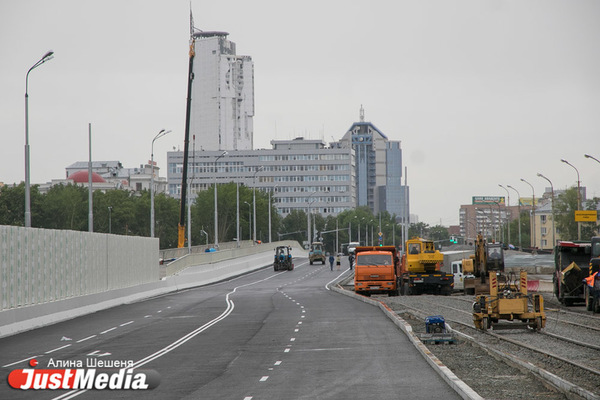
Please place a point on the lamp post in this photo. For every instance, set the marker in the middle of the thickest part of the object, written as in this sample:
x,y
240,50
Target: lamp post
x,y
216,213
507,213
254,201
273,189
237,214
552,205
249,221
532,210
47,57
578,196
109,219
309,238
593,158
519,220
159,135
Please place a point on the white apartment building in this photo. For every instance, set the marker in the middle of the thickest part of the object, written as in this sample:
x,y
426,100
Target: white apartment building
x,y
222,107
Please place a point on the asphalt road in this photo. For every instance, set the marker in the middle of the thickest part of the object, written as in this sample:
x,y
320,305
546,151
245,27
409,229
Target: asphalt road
x,y
265,335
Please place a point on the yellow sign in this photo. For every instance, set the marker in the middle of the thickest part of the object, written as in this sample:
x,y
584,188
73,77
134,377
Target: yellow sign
x,y
586,216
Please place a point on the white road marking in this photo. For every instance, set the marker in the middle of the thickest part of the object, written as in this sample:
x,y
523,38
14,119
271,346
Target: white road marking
x,y
126,323
278,363
87,338
296,330
17,362
286,351
264,378
59,348
293,339
108,330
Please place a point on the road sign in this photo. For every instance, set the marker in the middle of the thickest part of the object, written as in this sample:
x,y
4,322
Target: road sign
x,y
586,216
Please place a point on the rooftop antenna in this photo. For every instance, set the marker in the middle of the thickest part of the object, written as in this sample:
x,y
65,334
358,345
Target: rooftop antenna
x,y
362,114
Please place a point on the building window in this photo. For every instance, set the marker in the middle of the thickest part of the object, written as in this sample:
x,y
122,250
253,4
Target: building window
x,y
543,219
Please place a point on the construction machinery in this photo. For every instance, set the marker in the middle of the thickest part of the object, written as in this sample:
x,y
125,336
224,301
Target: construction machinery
x,y
283,259
488,257
316,253
377,270
508,301
574,263
420,270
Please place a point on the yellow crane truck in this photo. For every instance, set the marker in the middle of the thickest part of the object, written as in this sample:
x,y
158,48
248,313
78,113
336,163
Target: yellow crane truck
x,y
420,270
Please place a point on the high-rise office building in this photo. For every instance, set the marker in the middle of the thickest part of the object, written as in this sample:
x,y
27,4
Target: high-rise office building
x,y
222,107
378,163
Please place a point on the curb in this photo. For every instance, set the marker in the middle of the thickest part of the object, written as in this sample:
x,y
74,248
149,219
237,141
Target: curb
x,y
447,375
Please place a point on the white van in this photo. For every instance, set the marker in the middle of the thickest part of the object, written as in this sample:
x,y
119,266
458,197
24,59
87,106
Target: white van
x,y
459,277
352,247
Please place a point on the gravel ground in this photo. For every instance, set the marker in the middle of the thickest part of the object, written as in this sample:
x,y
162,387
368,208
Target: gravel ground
x,y
490,378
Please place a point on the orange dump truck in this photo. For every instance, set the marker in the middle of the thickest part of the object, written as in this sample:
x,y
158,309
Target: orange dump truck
x,y
376,270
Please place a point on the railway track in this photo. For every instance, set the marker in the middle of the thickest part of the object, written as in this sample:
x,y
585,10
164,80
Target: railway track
x,y
563,348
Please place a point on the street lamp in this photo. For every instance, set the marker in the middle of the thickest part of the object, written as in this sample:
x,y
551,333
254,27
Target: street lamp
x,y
552,192
159,135
593,158
532,210
109,219
216,214
508,211
249,221
578,196
272,189
47,57
519,204
254,201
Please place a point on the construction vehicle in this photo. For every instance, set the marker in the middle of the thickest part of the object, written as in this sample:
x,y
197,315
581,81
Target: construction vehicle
x,y
316,253
283,259
576,265
488,257
420,270
376,270
508,301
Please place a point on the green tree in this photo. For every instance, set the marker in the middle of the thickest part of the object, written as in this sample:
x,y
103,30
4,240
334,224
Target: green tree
x,y
438,233
565,206
293,226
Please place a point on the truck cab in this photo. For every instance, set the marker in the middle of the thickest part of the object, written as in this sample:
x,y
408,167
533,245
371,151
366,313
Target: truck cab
x,y
376,270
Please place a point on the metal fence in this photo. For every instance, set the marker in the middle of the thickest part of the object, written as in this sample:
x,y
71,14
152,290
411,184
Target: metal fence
x,y
44,265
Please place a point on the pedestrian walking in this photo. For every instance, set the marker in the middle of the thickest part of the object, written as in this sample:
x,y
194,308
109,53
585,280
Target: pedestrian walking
x,y
331,260
338,262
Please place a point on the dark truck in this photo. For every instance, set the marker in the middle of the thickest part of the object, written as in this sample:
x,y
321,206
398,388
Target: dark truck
x,y
574,262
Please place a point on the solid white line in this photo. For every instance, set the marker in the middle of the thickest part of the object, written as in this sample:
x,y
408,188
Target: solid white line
x,y
59,348
108,330
334,279
87,338
27,359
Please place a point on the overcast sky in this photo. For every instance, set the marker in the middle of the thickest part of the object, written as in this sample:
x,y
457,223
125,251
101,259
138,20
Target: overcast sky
x,y
480,93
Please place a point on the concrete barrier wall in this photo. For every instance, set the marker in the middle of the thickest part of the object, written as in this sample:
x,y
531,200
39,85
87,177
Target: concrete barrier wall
x,y
44,265
193,259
